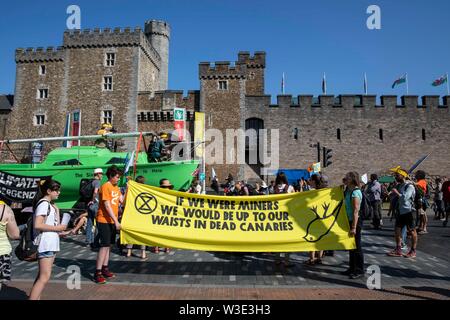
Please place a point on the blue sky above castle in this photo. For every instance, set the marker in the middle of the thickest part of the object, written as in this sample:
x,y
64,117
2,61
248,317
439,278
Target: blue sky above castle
x,y
303,39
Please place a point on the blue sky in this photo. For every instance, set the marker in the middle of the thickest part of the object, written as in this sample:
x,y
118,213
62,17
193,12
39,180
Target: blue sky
x,y
301,38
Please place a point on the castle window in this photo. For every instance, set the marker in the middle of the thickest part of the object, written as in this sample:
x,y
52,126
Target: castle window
x,y
150,116
338,134
423,135
170,116
156,116
42,93
110,59
39,120
139,117
107,116
42,70
251,76
381,134
107,83
296,133
144,116
223,85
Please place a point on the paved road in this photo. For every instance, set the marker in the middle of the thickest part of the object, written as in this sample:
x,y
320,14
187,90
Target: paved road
x,y
194,269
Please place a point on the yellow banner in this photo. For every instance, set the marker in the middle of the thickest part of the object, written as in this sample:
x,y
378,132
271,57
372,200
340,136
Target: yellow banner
x,y
199,134
305,221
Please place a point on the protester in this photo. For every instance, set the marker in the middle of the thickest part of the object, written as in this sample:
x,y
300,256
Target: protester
x,y
240,189
446,197
195,187
228,186
272,187
103,142
139,179
158,148
439,209
215,185
374,196
262,188
406,194
79,222
353,197
46,227
282,186
421,205
8,229
165,184
92,207
107,222
315,257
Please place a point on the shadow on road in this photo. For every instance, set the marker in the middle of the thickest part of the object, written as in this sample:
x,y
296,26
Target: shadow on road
x,y
10,293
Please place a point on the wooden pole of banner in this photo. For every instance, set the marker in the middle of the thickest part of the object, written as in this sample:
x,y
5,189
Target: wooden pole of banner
x,y
12,153
136,155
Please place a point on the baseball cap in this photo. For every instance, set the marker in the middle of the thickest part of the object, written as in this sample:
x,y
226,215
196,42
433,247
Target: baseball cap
x,y
98,170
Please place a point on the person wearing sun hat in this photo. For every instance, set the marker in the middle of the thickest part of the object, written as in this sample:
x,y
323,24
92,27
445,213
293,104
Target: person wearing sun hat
x,y
406,193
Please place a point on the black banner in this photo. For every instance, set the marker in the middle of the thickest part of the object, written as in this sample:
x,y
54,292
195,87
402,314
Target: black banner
x,y
17,188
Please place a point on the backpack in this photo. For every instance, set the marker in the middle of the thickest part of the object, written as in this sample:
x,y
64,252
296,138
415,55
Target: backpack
x,y
365,209
26,250
421,198
86,189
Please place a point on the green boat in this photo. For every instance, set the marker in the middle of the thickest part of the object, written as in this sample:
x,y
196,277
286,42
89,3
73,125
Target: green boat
x,y
70,165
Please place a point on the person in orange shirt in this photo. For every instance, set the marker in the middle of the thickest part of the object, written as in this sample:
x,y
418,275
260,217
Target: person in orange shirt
x,y
422,209
107,222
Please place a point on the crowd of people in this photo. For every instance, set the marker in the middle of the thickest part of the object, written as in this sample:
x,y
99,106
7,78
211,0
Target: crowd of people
x,y
100,217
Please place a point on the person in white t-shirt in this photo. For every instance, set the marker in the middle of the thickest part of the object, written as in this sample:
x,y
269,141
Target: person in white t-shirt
x,y
46,227
282,186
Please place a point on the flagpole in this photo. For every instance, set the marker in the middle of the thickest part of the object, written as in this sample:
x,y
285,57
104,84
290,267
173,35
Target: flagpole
x,y
448,86
365,84
407,84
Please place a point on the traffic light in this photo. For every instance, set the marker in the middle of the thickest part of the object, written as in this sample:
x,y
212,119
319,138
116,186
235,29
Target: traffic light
x,y
327,156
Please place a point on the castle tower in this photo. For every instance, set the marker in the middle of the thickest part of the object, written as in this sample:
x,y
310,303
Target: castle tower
x,y
158,33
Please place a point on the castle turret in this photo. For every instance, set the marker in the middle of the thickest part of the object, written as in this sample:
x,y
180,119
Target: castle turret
x,y
158,33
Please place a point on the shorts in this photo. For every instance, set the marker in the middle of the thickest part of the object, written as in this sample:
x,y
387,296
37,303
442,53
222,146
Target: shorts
x,y
406,219
5,268
46,254
106,234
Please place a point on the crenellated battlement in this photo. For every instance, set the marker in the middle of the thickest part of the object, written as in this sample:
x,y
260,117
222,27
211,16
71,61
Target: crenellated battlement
x,y
221,70
178,95
98,38
258,60
389,102
39,54
235,70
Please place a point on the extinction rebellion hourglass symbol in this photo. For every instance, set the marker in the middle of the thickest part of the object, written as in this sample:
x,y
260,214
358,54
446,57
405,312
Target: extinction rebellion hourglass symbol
x,y
145,203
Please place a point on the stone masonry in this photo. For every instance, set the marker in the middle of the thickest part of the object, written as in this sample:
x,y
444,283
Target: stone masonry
x,y
363,135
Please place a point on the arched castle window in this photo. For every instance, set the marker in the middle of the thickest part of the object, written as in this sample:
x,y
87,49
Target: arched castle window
x,y
253,146
338,134
424,135
381,134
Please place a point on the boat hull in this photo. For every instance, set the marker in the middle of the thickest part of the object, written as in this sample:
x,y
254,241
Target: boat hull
x,y
180,174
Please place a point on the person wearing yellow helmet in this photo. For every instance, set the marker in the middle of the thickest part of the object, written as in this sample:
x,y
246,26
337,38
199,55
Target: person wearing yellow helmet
x,y
103,142
158,148
406,194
